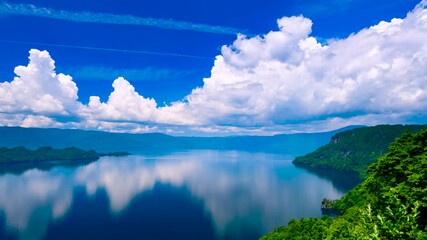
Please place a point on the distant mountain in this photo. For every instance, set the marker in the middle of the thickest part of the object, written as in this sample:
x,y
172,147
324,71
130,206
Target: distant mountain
x,y
32,138
356,149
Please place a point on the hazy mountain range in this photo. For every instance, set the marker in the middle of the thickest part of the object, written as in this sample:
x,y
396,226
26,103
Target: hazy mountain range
x,y
293,144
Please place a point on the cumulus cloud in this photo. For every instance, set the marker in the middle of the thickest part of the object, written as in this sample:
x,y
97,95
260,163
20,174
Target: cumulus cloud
x,y
124,103
38,89
39,121
282,81
286,76
380,70
276,45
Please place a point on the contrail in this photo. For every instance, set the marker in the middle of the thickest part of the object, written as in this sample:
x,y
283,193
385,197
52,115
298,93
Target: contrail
x,y
108,18
109,49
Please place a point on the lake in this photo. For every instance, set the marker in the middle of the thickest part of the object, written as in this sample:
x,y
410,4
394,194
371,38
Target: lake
x,y
181,195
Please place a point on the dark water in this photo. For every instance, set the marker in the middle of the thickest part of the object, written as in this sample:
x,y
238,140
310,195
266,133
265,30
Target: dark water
x,y
185,195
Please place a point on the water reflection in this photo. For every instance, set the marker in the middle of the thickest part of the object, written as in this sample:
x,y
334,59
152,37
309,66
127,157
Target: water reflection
x,y
239,191
342,180
29,201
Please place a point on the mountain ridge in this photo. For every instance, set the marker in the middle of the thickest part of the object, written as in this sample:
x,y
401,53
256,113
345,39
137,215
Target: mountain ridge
x,y
295,144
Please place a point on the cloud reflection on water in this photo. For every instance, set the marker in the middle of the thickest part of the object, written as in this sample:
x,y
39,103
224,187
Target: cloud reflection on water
x,y
240,191
30,200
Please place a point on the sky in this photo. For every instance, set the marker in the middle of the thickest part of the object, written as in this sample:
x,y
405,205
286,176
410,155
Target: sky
x,y
212,68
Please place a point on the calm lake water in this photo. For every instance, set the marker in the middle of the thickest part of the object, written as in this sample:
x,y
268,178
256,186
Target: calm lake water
x,y
183,195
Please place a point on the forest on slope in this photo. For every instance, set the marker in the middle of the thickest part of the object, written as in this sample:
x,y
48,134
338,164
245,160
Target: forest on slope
x,y
354,150
391,203
22,154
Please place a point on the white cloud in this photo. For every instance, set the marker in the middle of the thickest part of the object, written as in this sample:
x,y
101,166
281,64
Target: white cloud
x,y
108,18
124,103
282,81
39,121
38,89
113,126
286,76
276,45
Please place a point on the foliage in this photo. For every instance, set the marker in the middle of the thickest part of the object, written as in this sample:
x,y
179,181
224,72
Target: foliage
x,y
390,204
328,203
397,223
356,149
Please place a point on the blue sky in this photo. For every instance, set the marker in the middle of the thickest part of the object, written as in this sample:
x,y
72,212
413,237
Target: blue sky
x,y
165,49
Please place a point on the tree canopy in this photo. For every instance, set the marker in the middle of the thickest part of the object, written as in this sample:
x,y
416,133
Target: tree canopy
x,y
391,203
22,154
356,149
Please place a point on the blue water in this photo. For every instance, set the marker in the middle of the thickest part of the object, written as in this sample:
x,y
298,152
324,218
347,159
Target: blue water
x,y
183,195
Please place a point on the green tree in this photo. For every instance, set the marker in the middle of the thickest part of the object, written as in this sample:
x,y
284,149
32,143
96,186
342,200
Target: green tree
x,y
390,203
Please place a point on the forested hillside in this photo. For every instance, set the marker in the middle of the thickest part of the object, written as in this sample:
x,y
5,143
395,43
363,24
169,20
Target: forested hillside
x,y
22,154
390,204
356,149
